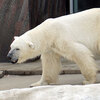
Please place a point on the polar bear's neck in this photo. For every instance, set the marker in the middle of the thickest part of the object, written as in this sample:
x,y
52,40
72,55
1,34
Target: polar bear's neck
x,y
40,36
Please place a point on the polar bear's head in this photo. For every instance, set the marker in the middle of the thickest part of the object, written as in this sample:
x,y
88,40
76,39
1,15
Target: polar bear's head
x,y
21,50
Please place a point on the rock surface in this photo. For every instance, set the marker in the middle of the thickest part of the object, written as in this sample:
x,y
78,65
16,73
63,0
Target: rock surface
x,y
62,92
2,74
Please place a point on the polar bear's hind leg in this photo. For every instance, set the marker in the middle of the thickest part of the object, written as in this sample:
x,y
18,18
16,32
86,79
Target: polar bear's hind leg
x,y
83,57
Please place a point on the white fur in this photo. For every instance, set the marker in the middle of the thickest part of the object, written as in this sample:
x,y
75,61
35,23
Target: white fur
x,y
75,37
62,92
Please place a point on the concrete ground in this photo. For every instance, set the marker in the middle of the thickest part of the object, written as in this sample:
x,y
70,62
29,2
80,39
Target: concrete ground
x,y
14,81
35,68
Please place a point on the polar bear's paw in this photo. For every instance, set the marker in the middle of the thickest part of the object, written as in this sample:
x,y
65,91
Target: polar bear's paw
x,y
88,82
85,82
38,84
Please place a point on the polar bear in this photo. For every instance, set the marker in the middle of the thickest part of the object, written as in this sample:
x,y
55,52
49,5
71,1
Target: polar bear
x,y
75,37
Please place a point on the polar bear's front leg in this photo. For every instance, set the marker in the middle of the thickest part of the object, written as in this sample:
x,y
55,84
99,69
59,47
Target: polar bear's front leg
x,y
51,66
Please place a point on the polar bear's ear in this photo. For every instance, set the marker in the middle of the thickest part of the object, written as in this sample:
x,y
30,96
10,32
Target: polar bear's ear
x,y
15,37
31,45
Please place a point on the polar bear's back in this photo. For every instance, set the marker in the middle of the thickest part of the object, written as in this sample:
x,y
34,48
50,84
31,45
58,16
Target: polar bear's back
x,y
83,15
88,18
83,27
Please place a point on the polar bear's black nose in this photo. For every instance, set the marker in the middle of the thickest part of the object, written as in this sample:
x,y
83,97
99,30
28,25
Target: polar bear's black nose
x,y
9,56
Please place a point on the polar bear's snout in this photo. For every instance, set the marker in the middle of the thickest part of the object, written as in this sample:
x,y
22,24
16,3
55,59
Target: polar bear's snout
x,y
12,56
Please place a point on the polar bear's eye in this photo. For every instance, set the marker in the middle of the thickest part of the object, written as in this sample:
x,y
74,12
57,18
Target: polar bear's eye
x,y
17,49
